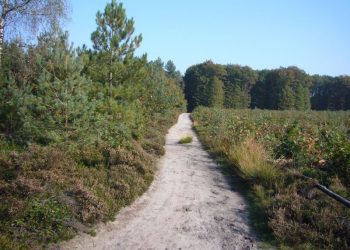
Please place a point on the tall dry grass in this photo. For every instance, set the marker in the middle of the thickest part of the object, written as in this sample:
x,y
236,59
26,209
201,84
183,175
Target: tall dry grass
x,y
253,162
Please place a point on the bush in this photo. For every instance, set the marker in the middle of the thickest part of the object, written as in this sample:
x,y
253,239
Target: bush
x,y
46,219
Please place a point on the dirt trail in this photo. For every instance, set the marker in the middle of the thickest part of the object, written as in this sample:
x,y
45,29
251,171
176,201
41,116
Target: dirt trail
x,y
188,206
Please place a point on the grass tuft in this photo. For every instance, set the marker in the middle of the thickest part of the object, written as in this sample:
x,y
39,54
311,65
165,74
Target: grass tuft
x,y
186,139
253,162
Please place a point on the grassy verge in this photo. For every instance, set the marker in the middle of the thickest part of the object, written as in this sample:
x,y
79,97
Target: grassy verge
x,y
49,193
263,148
234,176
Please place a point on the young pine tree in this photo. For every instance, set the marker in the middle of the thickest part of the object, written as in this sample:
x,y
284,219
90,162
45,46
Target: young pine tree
x,y
61,108
114,39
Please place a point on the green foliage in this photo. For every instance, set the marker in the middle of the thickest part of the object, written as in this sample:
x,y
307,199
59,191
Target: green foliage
x,y
171,71
163,92
217,97
240,81
14,90
284,88
13,108
267,148
114,41
331,93
45,218
76,145
60,108
286,100
199,83
114,33
302,97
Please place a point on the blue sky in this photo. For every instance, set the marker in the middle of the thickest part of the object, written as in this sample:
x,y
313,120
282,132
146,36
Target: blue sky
x,y
263,34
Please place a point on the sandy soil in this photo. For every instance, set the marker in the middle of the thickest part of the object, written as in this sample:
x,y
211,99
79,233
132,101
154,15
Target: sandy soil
x,y
188,206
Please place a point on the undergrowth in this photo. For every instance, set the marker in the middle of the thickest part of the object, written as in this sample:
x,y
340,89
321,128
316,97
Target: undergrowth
x,y
48,193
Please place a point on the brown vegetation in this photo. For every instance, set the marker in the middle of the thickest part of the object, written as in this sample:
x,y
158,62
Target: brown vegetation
x,y
267,149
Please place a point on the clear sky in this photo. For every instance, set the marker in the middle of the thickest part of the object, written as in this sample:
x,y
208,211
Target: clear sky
x,y
263,34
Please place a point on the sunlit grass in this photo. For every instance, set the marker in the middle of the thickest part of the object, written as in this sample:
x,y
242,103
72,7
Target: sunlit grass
x,y
253,162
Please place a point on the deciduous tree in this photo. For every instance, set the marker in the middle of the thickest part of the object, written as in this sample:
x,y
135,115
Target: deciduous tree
x,y
217,94
18,16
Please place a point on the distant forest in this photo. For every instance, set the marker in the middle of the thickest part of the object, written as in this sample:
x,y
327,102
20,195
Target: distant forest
x,y
239,87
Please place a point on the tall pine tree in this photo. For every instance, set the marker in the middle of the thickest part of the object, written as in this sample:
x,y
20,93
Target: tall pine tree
x,y
114,38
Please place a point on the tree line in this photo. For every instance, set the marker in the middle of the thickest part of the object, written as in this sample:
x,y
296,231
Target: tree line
x,y
291,88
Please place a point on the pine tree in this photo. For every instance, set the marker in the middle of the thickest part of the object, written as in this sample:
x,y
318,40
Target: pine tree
x,y
113,37
61,108
170,68
15,92
171,71
14,102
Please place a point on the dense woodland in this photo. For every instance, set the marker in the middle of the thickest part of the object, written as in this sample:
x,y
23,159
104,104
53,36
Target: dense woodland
x,y
235,86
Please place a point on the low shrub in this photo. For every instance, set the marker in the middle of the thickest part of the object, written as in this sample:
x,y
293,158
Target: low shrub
x,y
48,193
267,148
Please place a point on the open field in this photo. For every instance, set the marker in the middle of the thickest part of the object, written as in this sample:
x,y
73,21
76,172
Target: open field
x,y
269,149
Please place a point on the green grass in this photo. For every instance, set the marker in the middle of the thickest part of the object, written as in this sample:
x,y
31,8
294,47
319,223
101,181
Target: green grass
x,y
186,139
92,232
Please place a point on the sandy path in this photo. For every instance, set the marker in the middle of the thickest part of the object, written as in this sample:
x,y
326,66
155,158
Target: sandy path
x,y
188,206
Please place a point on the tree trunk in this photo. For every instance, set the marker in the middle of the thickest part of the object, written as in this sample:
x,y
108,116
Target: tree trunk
x,y
1,36
110,74
2,26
